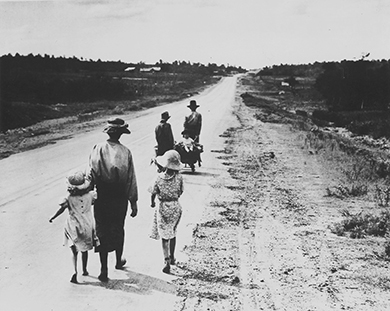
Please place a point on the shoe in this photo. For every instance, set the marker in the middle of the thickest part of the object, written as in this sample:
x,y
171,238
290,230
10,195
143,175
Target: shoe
x,y
119,266
167,267
85,273
172,261
103,277
74,279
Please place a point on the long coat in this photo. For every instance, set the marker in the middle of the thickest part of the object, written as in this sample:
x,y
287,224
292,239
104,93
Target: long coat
x,y
112,171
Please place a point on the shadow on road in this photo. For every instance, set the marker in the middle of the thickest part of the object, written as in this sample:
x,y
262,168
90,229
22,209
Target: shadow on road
x,y
196,173
136,283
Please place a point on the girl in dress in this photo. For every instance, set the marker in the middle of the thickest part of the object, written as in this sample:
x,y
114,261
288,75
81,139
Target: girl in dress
x,y
80,225
168,187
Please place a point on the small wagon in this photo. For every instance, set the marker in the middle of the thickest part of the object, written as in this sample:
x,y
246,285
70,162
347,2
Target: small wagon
x,y
190,158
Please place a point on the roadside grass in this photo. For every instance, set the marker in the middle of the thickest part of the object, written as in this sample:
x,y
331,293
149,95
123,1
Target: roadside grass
x,y
363,173
362,224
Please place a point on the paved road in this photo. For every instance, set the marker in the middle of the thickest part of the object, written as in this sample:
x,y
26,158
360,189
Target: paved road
x,y
34,266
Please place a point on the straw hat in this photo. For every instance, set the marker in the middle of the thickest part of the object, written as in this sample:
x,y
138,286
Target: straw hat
x,y
171,160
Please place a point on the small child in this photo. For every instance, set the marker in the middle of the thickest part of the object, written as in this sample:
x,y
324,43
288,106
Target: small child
x,y
168,187
187,141
80,224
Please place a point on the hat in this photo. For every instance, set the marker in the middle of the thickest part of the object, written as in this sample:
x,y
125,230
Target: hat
x,y
165,115
171,160
193,104
116,125
77,180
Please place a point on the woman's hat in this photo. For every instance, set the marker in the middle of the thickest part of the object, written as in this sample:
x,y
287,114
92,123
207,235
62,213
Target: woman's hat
x,y
193,104
171,160
77,180
116,125
165,115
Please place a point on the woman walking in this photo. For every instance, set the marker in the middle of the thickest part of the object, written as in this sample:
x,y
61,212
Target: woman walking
x,y
80,225
168,187
112,171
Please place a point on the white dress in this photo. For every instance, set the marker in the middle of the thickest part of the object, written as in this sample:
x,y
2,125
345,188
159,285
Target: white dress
x,y
80,224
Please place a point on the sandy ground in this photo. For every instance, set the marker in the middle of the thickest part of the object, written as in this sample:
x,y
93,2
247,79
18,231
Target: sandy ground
x,y
265,242
258,235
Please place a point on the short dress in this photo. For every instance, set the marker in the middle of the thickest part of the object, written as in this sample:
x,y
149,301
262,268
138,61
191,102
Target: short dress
x,y
168,189
80,224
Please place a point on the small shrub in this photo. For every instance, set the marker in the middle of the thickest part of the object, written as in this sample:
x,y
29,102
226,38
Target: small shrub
x,y
387,249
344,191
382,196
360,225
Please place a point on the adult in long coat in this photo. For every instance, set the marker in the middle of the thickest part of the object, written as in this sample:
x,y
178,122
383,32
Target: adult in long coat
x,y
112,172
193,122
164,135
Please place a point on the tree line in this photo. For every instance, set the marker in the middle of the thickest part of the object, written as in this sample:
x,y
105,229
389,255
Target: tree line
x,y
48,79
348,85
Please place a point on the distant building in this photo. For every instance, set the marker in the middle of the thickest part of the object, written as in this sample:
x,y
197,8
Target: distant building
x,y
150,69
130,69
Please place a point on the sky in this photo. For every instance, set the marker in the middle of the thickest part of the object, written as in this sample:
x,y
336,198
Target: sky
x,y
247,33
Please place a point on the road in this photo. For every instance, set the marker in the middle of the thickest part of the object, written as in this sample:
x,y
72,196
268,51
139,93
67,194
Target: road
x,y
35,268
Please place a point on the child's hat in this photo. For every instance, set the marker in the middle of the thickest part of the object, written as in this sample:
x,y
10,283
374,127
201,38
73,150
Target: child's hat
x,y
171,160
76,180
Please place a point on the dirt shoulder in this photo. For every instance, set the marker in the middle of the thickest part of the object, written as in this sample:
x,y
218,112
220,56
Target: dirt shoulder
x,y
265,242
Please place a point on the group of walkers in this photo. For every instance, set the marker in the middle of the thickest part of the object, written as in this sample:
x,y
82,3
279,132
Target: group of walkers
x,y
110,183
188,146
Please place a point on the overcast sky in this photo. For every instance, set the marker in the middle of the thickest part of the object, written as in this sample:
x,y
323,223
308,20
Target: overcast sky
x,y
247,33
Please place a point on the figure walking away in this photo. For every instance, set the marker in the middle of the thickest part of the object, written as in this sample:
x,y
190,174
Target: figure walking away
x,y
80,225
193,122
112,172
164,135
168,187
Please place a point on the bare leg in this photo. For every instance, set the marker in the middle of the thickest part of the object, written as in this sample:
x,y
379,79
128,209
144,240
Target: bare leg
x,y
103,267
84,258
165,247
74,261
120,262
172,246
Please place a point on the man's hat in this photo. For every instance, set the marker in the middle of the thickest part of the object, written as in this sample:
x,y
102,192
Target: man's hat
x,y
193,104
165,115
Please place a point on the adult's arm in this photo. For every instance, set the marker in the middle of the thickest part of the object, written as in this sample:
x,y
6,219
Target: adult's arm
x,y
132,188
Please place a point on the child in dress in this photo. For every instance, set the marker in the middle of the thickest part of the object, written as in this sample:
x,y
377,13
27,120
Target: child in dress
x,y
80,224
168,187
187,141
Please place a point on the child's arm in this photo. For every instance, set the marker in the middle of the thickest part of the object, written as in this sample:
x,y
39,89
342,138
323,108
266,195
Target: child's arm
x,y
64,204
59,212
152,200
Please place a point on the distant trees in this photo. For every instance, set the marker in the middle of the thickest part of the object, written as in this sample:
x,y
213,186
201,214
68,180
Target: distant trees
x,y
47,79
355,85
345,85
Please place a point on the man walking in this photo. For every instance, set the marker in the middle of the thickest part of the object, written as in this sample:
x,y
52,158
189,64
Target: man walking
x,y
193,122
